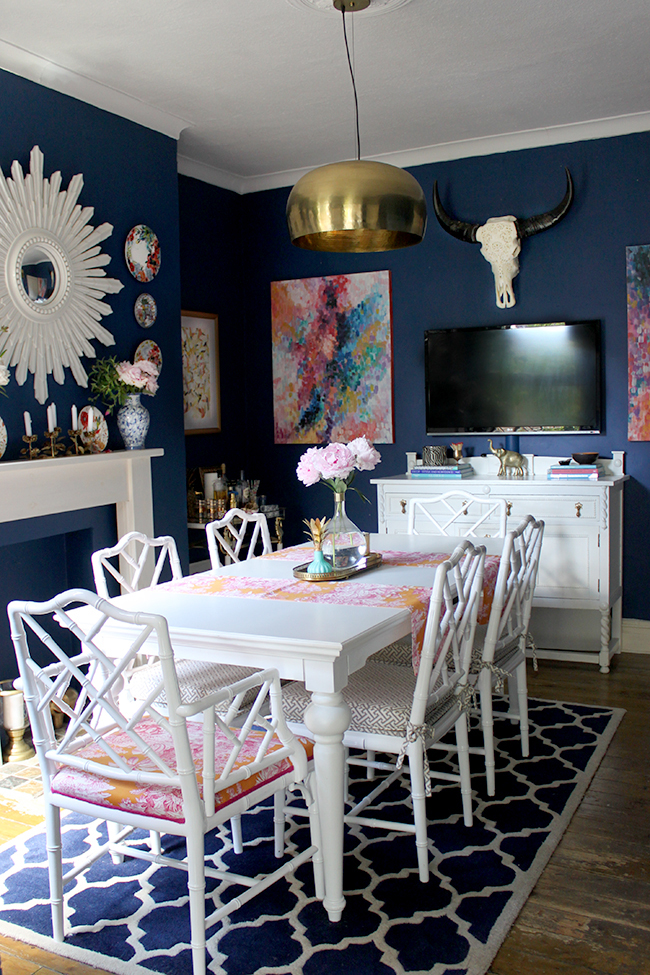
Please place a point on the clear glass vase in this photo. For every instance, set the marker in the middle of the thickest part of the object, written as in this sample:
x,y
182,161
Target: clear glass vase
x,y
345,544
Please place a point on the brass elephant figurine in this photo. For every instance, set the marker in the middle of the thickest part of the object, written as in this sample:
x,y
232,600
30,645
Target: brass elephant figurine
x,y
509,459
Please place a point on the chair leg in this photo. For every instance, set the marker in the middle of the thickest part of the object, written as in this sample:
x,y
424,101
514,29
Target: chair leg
x,y
54,863
462,741
487,723
522,695
314,832
416,771
113,829
196,888
235,828
370,772
513,700
279,800
154,843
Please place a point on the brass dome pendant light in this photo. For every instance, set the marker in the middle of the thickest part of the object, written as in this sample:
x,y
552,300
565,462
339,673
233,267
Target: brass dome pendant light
x,y
357,206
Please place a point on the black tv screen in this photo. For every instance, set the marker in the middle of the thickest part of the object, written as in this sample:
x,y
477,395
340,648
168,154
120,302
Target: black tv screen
x,y
532,379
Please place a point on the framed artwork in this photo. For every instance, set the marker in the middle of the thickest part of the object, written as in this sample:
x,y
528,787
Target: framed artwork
x,y
638,341
332,358
201,393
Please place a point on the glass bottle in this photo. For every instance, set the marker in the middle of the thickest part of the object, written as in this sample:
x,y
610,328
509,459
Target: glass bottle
x,y
345,544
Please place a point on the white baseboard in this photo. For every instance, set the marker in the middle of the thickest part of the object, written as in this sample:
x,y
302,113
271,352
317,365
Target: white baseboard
x,y
635,636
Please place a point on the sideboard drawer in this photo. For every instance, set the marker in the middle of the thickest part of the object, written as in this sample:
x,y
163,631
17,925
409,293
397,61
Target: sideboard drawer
x,y
555,509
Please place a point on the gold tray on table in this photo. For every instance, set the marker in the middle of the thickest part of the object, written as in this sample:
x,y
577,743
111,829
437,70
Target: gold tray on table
x,y
369,561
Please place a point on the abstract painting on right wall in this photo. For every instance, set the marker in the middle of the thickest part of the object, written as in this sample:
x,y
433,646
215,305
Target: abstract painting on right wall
x,y
638,341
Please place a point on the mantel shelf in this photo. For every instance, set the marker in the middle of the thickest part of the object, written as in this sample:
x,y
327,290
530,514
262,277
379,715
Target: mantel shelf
x,y
51,485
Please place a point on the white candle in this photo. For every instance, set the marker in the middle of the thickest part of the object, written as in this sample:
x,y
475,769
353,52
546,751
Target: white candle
x,y
13,710
53,415
74,418
50,424
28,423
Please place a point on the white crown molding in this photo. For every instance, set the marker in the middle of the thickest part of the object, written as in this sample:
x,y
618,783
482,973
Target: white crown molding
x,y
446,151
18,61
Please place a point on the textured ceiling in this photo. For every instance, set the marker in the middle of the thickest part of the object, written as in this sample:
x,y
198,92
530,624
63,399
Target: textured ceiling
x,y
258,91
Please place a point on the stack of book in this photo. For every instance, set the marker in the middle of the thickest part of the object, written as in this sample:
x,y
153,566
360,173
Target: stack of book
x,y
569,472
448,470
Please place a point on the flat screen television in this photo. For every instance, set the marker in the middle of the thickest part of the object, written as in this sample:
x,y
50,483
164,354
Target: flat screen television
x,y
523,379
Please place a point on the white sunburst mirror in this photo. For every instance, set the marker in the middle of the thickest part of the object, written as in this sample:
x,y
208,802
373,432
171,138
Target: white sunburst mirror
x,y
53,282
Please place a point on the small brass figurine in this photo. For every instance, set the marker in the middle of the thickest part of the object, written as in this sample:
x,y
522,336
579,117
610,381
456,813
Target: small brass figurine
x,y
509,459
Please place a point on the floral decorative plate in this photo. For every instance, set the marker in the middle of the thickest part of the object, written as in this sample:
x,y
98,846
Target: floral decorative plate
x,y
142,253
94,431
3,437
150,351
145,310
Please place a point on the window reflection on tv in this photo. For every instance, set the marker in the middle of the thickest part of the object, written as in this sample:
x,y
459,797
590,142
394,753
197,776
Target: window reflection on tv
x,y
532,379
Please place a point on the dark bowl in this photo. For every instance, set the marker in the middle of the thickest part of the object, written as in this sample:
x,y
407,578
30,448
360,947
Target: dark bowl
x,y
585,458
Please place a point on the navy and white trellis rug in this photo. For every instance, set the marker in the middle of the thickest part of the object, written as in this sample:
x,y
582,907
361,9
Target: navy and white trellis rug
x,y
133,917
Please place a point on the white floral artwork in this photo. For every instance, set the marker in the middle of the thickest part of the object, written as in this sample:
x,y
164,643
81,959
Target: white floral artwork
x,y
201,401
53,314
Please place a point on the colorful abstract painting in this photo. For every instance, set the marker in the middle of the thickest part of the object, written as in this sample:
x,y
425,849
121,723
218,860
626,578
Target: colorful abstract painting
x,y
332,358
638,341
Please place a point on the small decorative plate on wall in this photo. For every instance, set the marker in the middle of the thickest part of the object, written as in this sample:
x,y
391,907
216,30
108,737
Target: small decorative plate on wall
x,y
142,253
145,310
150,351
94,431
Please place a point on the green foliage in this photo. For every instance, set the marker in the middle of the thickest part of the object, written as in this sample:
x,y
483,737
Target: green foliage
x,y
105,384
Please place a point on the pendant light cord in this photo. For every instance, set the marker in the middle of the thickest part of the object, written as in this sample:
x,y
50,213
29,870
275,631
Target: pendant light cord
x,y
354,85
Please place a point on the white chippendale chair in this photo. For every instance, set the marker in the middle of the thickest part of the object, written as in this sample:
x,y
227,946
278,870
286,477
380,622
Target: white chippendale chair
x,y
500,646
161,772
132,551
238,530
458,513
197,678
397,712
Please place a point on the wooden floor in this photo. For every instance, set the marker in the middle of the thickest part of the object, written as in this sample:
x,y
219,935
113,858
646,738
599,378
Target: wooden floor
x,y
590,911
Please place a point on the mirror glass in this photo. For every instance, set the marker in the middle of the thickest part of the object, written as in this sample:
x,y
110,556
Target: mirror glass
x,y
38,275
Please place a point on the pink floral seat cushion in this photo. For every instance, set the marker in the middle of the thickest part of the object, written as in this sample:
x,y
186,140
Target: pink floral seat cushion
x,y
163,801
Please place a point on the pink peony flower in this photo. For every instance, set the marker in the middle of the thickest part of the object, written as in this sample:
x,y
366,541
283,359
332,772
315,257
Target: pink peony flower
x,y
366,457
141,375
336,461
308,469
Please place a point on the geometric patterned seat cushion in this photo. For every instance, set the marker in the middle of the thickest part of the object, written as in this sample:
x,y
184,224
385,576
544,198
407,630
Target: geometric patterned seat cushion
x,y
164,801
196,679
398,653
380,697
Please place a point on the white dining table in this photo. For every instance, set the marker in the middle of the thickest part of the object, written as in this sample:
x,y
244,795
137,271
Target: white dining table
x,y
315,643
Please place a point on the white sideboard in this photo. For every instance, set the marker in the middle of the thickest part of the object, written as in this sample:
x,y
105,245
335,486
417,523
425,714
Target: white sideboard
x,y
577,608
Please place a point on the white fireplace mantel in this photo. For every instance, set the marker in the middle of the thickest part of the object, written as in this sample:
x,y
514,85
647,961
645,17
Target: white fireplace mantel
x,y
48,486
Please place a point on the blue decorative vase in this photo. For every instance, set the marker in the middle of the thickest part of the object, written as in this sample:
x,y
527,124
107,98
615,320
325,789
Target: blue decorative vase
x,y
319,564
133,422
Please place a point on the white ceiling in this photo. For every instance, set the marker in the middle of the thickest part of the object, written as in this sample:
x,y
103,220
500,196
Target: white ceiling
x,y
258,91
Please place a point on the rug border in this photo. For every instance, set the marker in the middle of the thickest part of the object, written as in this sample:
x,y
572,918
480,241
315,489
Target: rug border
x,y
551,843
484,956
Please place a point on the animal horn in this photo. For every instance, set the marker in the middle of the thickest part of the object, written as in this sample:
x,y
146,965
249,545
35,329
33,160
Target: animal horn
x,y
457,228
534,225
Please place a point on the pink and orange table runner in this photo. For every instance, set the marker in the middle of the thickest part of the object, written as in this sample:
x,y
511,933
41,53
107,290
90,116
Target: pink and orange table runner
x,y
361,591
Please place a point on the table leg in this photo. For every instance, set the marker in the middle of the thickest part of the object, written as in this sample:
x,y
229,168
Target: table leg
x,y
328,717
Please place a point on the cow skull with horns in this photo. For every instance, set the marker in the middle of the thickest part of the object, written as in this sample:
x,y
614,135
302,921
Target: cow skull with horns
x,y
500,238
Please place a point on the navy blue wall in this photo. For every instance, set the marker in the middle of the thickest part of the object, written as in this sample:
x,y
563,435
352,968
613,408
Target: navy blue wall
x,y
129,177
575,270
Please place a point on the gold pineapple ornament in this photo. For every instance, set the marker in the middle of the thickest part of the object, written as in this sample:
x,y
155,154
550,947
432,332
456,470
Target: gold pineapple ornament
x,y
318,528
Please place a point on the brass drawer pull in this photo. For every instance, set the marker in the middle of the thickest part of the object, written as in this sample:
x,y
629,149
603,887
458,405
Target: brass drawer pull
x,y
508,508
578,508
403,504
